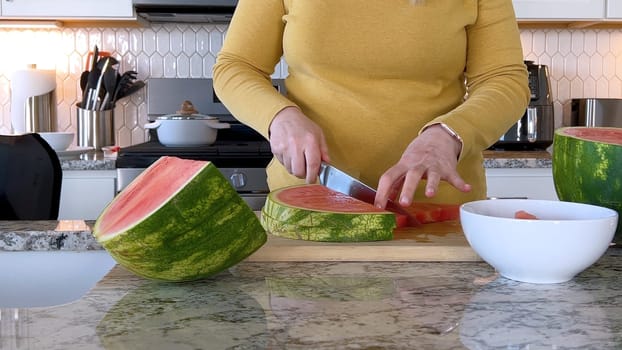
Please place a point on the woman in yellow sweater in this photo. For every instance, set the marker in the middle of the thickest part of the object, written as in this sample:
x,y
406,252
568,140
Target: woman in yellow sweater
x,y
405,94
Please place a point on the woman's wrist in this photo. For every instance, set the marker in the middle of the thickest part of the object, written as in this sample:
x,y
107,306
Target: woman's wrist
x,y
449,131
283,113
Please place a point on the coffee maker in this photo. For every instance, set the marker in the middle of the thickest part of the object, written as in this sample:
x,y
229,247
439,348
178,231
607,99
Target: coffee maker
x,y
534,130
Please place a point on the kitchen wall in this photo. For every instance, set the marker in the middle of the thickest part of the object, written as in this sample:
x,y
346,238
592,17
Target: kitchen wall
x,y
582,62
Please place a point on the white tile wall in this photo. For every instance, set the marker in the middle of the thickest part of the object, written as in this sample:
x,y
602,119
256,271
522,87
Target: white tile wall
x,y
582,62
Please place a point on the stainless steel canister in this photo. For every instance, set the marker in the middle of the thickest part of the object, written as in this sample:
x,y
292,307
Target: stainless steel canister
x,y
95,128
40,113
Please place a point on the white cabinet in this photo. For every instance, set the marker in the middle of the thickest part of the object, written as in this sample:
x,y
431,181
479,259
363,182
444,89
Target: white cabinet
x,y
533,183
85,193
614,9
66,9
561,9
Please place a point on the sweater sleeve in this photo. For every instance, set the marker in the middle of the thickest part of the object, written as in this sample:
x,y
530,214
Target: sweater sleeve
x,y
244,64
496,76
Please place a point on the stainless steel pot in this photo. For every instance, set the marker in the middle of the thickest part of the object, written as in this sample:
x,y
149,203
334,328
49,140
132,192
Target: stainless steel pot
x,y
177,130
595,112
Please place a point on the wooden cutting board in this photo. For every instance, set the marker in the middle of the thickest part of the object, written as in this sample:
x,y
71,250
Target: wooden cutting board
x,y
431,242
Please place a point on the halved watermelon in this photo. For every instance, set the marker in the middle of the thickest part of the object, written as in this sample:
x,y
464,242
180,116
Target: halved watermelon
x,y
587,167
179,220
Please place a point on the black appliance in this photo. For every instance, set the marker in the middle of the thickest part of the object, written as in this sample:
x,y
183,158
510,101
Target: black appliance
x,y
185,11
535,129
240,153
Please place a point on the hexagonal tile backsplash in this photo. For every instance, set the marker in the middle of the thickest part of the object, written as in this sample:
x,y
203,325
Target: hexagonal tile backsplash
x,y
582,63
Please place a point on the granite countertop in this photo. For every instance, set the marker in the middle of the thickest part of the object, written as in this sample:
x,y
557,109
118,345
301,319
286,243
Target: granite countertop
x,y
90,160
330,305
333,306
517,159
492,159
46,235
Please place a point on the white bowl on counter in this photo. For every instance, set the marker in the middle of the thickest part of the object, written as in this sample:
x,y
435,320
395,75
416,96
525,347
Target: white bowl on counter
x,y
565,239
58,140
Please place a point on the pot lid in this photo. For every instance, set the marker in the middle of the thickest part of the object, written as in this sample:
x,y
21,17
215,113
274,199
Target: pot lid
x,y
187,112
186,117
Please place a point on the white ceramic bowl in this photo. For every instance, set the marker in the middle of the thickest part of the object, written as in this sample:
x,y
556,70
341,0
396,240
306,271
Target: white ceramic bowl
x,y
59,140
566,238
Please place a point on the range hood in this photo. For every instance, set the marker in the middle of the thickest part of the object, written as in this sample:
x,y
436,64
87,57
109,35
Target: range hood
x,y
185,11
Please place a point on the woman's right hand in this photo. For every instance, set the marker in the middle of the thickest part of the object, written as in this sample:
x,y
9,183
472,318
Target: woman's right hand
x,y
298,143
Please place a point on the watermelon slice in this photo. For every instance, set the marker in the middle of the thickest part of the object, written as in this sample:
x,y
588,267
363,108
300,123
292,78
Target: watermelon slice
x,y
317,213
179,220
587,163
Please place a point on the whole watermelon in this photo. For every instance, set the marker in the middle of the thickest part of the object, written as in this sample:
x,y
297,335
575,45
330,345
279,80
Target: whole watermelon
x,y
180,220
587,167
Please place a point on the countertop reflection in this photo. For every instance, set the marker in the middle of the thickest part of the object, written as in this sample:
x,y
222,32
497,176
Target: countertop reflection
x,y
337,305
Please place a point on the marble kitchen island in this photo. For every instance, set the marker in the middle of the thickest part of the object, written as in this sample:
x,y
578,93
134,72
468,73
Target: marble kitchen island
x,y
318,305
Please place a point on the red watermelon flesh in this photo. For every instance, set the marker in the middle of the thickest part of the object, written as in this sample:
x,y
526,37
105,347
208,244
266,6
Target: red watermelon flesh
x,y
317,197
602,135
136,203
427,213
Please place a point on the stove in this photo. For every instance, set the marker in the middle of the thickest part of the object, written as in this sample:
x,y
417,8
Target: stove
x,y
240,153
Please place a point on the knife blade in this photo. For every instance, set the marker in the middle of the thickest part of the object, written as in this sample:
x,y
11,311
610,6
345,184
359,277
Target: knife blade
x,y
338,180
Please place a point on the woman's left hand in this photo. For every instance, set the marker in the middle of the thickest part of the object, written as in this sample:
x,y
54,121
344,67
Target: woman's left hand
x,y
433,156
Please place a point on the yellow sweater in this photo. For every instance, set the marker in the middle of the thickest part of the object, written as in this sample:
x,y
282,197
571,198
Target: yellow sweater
x,y
373,74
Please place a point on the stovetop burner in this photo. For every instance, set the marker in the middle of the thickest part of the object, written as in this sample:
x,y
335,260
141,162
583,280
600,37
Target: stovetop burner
x,y
247,154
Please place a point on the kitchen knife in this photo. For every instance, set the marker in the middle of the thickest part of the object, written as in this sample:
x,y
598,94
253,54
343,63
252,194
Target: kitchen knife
x,y
338,180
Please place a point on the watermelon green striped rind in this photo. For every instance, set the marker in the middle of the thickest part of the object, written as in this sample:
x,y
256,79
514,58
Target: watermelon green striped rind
x,y
316,213
180,220
318,219
587,167
327,232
